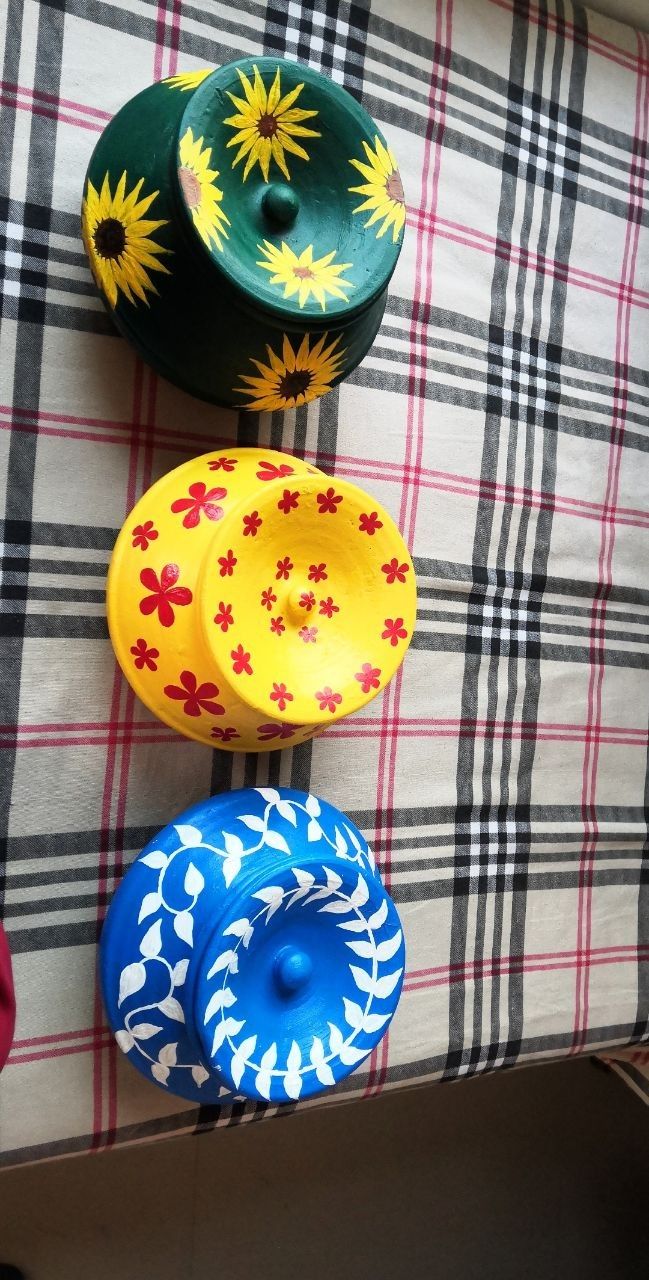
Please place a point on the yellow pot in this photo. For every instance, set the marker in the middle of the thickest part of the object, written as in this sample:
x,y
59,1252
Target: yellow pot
x,y
253,600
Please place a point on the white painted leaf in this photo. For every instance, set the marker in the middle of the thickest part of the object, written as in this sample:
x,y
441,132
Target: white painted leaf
x,y
252,821
233,844
144,1030
269,1058
324,1074
319,894
385,986
131,979
269,794
172,1008
353,1013
349,1055
292,1084
194,882
228,1027
226,960
334,881
379,918
339,907
180,973
247,936
386,950
160,1072
150,904
354,839
374,1021
352,926
335,1038
238,928
223,999
370,858
125,1040
156,859
312,806
272,895
274,840
361,892
341,843
168,1055
364,949
200,1075
184,927
263,1077
294,1059
190,837
286,812
231,868
362,978
151,944
314,830
317,1051
239,1059
304,878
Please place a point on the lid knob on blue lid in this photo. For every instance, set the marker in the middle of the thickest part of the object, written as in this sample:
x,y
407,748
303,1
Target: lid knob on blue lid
x,y
293,968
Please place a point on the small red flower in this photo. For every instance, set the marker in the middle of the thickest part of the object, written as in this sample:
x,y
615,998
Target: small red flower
x,y
196,697
281,696
227,563
395,572
277,625
223,618
224,735
281,730
143,534
164,593
394,630
307,600
268,599
144,657
308,634
370,523
328,608
328,699
201,501
251,524
222,464
241,661
328,502
283,568
368,677
317,572
288,501
268,471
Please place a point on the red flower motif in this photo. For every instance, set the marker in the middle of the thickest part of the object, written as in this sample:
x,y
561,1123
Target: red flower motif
x,y
283,568
222,464
329,501
196,697
308,634
268,471
144,657
268,599
224,735
317,572
394,630
368,677
307,600
328,608
251,524
143,534
241,661
370,523
201,501
277,625
281,730
288,501
280,695
223,618
227,563
395,572
328,699
164,593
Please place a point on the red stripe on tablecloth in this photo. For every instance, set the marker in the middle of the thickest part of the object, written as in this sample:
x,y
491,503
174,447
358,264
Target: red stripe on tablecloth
x,y
50,99
607,542
586,39
176,8
50,113
506,965
83,1034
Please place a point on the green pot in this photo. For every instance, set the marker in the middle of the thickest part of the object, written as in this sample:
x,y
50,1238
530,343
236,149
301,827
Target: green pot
x,y
242,226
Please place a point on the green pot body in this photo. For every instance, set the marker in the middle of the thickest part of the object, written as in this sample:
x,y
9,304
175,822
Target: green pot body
x,y
207,320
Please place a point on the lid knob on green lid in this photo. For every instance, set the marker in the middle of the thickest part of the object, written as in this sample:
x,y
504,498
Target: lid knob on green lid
x,y
280,204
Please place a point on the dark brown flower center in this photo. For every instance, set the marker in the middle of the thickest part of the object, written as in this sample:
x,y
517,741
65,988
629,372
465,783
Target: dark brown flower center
x,y
394,187
110,238
267,126
303,273
295,384
191,187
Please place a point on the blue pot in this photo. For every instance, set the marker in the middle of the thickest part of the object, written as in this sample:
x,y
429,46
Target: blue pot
x,y
251,951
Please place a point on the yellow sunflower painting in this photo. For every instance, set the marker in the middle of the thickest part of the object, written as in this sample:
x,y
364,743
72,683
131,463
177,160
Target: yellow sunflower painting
x,y
382,189
118,240
305,275
201,194
188,80
267,125
295,377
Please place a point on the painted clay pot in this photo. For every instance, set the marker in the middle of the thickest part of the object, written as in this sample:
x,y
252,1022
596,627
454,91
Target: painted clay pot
x,y
253,600
242,226
252,951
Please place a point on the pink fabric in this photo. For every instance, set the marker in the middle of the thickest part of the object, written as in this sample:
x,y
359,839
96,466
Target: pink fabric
x,y
7,999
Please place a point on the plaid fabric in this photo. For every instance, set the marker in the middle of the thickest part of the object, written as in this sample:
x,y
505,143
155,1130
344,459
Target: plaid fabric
x,y
501,417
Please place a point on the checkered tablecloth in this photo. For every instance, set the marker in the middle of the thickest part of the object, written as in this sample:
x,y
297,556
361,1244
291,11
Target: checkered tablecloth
x,y
501,417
